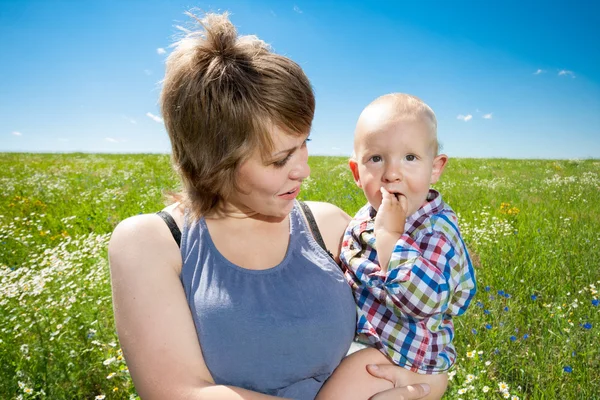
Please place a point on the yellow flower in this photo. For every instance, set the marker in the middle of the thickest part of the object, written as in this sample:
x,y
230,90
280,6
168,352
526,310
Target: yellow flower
x,y
470,354
115,389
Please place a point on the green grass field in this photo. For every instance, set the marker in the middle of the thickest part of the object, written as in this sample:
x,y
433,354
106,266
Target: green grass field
x,y
533,228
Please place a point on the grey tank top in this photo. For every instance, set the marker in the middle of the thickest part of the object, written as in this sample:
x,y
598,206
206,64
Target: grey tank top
x,y
280,331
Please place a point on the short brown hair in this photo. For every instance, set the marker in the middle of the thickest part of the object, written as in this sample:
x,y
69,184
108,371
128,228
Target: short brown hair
x,y
221,96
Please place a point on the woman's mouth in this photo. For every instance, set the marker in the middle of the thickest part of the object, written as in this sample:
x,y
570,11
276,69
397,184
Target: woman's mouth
x,y
291,194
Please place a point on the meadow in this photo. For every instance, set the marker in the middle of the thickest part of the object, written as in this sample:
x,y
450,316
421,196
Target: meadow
x,y
532,227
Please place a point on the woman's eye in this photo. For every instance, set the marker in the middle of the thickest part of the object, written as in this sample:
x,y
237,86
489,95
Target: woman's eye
x,y
281,163
410,157
376,158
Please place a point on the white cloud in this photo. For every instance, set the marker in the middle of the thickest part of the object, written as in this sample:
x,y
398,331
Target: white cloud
x,y
160,50
465,117
181,28
566,73
17,133
297,9
154,117
539,71
487,116
113,140
130,120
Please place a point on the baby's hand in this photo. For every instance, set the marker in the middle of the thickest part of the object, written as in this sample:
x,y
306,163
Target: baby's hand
x,y
391,215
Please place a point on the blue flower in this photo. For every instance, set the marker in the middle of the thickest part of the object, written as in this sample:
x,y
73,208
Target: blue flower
x,y
513,338
587,325
525,336
500,292
533,297
595,302
573,354
507,295
488,326
496,351
487,288
487,312
506,308
474,331
479,304
492,297
567,368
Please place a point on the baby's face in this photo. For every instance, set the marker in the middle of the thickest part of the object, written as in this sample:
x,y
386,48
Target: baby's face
x,y
398,155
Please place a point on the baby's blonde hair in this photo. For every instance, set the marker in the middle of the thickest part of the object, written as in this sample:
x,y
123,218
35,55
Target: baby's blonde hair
x,y
407,106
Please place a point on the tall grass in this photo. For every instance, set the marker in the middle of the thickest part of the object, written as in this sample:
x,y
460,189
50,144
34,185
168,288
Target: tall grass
x,y
533,228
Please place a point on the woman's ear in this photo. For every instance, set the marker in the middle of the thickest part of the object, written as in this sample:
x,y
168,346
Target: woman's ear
x,y
354,168
439,163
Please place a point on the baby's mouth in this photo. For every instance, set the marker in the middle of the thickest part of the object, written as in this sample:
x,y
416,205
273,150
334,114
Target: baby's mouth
x,y
396,195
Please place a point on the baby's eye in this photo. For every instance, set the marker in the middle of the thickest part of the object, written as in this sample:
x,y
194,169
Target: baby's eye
x,y
410,157
376,159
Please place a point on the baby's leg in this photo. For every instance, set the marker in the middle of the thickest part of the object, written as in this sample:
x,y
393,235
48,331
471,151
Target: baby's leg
x,y
352,381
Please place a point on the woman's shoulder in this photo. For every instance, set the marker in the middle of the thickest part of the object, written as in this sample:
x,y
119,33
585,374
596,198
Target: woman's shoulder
x,y
332,222
327,212
136,238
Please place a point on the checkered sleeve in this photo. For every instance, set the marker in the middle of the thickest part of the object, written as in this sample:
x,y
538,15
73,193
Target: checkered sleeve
x,y
427,275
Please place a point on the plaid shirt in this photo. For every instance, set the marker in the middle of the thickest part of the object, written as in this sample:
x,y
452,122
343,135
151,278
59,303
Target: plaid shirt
x,y
407,312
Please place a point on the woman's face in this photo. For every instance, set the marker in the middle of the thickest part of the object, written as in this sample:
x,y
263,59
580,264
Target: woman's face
x,y
269,186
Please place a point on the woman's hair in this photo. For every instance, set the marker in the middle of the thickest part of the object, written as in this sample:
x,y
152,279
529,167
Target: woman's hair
x,y
222,95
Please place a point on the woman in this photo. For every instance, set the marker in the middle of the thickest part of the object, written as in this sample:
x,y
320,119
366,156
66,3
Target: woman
x,y
249,306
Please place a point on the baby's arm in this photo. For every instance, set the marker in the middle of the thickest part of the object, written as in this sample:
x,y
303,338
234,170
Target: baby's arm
x,y
389,226
428,275
352,381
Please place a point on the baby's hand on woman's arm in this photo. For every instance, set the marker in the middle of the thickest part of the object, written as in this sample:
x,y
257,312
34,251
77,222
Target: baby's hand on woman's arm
x,y
389,225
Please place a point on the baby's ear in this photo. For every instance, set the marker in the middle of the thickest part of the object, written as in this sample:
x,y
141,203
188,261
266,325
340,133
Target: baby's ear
x,y
354,168
439,163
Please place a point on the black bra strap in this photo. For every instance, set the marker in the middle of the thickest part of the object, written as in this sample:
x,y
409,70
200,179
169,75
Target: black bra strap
x,y
313,226
172,226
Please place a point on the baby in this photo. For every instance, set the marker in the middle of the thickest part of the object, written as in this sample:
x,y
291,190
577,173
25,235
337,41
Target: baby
x,y
402,253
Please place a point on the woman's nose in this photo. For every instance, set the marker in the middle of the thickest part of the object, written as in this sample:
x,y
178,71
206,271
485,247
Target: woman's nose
x,y
301,170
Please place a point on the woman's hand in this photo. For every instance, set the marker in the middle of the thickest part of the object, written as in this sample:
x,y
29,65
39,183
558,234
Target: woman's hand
x,y
399,392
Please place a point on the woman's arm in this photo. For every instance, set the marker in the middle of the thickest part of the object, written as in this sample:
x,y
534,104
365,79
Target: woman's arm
x,y
153,319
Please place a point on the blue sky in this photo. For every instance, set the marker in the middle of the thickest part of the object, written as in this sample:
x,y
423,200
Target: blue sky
x,y
514,79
